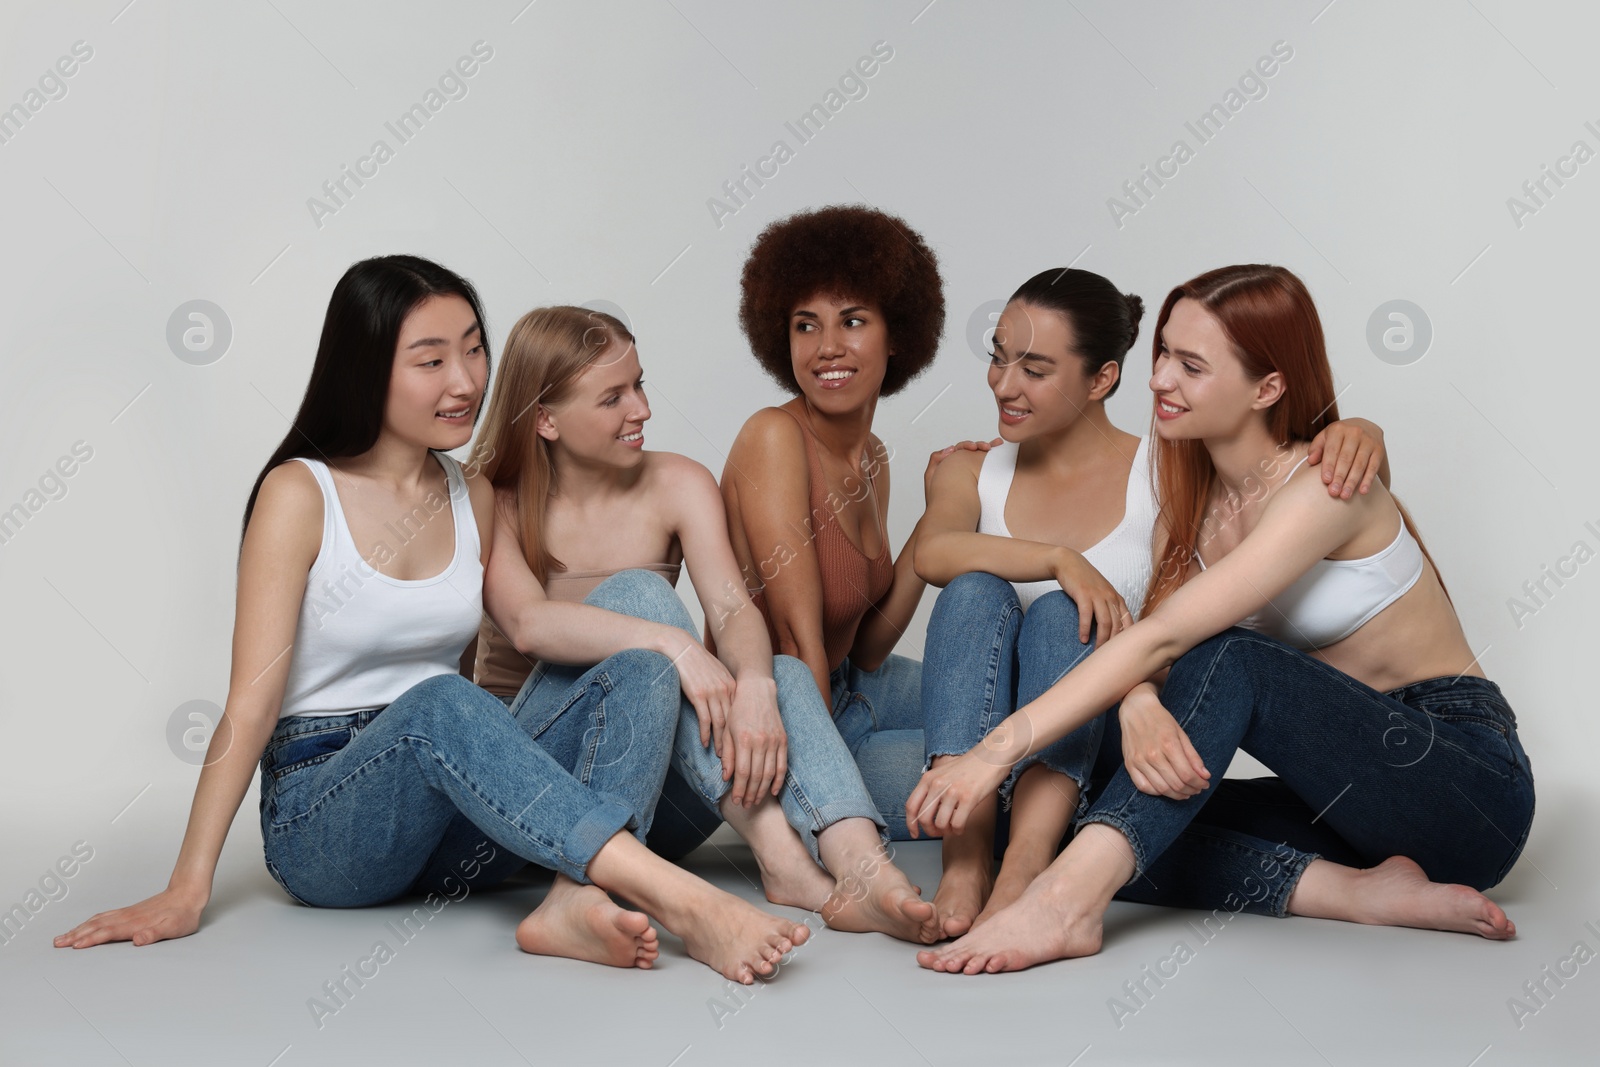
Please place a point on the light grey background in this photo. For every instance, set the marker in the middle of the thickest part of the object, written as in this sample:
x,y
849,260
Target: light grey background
x,y
578,166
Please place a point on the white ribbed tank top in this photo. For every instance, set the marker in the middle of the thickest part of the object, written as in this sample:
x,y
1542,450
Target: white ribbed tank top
x,y
1123,555
364,638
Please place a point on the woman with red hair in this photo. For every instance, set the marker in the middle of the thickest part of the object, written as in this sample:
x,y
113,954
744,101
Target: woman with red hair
x,y
1312,632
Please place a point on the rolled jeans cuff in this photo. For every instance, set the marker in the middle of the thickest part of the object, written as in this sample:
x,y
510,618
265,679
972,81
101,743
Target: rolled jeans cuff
x,y
1292,871
589,834
820,818
1075,771
1117,822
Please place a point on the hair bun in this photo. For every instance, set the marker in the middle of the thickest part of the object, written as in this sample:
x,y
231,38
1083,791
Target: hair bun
x,y
1135,313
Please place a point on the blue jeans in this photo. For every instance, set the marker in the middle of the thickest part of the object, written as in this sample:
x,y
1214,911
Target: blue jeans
x,y
359,809
1433,771
879,716
822,786
985,659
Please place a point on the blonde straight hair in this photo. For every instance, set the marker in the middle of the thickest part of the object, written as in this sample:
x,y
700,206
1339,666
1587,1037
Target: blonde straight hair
x,y
546,352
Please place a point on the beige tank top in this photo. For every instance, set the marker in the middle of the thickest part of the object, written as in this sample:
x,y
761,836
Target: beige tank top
x,y
500,668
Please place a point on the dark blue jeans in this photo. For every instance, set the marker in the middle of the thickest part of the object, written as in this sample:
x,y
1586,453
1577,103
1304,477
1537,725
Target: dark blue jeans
x,y
1433,771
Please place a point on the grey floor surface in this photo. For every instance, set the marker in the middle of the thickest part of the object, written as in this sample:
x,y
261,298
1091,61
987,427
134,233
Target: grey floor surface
x,y
459,992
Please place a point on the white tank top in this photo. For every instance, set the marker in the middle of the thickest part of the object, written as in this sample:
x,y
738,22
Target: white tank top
x,y
1123,556
1337,597
364,638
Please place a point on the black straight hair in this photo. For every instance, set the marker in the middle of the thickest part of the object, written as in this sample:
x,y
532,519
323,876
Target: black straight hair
x,y
1104,321
342,411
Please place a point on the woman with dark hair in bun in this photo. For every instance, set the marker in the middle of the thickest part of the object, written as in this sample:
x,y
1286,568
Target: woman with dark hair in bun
x,y
842,306
1314,634
1041,544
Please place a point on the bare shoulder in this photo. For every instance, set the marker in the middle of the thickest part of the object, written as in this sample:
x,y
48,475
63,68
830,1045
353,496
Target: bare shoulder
x,y
288,511
770,428
480,493
1304,497
770,441
676,479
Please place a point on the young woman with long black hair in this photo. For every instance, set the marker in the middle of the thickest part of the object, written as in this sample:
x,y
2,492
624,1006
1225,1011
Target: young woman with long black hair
x,y
383,770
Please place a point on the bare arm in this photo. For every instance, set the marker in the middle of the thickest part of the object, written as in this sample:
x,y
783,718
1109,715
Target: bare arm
x,y
754,749
949,545
279,548
1301,525
774,503
555,630
883,626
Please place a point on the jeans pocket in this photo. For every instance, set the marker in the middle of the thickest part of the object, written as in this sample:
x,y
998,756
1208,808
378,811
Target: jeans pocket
x,y
1479,730
298,752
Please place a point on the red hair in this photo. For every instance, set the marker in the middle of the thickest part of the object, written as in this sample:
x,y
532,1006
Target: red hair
x,y
1268,315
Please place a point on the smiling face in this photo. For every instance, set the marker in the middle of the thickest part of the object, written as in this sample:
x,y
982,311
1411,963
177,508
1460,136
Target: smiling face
x,y
1037,375
601,419
1200,385
840,350
440,369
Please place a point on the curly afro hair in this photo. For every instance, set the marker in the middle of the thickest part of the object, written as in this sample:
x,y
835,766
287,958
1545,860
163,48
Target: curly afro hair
x,y
847,251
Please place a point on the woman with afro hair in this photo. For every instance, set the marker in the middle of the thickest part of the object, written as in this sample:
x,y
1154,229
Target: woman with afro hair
x,y
842,305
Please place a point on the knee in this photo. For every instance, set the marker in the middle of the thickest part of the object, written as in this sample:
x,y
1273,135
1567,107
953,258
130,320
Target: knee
x,y
1051,611
970,597
791,674
640,593
972,589
1229,650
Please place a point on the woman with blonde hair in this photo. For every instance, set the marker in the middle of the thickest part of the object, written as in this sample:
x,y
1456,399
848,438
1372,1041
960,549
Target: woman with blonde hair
x,y
384,772
592,532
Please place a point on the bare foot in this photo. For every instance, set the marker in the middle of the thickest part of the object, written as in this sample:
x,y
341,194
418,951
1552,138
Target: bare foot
x,y
1017,872
881,901
734,939
963,890
1398,893
1033,930
792,878
582,923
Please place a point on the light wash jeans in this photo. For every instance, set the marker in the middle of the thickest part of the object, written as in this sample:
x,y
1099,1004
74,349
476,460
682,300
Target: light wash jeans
x,y
879,716
359,809
985,659
822,786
